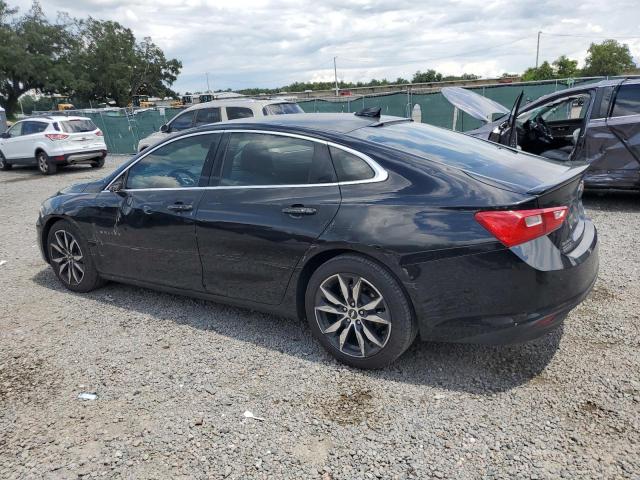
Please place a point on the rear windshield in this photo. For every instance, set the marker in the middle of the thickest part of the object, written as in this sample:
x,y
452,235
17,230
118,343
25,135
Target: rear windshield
x,y
282,109
78,126
464,152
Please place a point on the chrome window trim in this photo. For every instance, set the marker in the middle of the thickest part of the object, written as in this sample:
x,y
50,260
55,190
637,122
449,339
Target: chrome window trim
x,y
380,174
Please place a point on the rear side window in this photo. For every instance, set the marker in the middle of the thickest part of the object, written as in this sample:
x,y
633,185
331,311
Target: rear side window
x,y
281,109
30,128
183,121
627,101
207,115
234,113
78,126
350,167
263,159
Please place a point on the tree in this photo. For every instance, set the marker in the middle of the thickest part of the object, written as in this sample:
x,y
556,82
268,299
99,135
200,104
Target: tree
x,y
565,67
429,76
608,58
543,72
34,54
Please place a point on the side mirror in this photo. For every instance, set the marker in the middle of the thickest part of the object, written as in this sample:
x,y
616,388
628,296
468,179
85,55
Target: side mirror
x,y
165,128
5,135
117,185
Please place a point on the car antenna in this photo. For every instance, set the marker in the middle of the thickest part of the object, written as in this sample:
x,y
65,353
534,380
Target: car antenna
x,y
373,112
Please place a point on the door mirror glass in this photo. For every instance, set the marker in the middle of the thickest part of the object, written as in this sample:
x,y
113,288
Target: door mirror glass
x,y
164,128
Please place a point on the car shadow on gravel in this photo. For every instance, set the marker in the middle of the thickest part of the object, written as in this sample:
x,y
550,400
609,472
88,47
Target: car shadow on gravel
x,y
478,369
32,173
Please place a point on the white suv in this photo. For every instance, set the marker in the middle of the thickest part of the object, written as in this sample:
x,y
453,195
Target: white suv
x,y
220,111
51,142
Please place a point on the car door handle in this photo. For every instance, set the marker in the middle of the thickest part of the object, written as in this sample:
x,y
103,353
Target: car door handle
x,y
297,210
180,207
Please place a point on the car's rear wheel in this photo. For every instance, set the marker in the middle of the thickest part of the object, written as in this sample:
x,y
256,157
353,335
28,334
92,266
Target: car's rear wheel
x,y
45,165
99,163
70,258
4,165
359,312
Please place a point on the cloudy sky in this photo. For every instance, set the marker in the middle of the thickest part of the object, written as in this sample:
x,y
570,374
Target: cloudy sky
x,y
266,43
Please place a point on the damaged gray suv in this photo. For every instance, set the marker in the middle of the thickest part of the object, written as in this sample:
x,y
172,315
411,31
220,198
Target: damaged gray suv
x,y
598,124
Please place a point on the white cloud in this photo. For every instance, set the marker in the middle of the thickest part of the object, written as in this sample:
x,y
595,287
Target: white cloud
x,y
271,43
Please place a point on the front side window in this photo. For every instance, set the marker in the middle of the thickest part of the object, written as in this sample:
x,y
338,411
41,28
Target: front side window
x,y
78,126
16,130
264,159
234,113
177,164
281,109
350,167
207,115
182,122
627,101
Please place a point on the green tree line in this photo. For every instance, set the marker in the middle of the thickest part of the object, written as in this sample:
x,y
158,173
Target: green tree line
x,y
91,60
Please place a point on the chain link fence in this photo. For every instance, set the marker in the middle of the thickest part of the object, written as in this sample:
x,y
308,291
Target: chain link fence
x,y
124,127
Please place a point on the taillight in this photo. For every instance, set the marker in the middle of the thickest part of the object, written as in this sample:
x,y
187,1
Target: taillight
x,y
99,133
513,227
56,136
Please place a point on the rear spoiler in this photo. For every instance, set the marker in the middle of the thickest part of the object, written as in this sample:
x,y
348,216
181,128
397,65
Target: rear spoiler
x,y
561,181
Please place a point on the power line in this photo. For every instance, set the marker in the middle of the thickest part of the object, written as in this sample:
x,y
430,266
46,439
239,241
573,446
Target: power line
x,y
588,36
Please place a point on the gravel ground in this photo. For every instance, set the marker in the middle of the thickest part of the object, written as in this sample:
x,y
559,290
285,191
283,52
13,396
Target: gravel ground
x,y
174,377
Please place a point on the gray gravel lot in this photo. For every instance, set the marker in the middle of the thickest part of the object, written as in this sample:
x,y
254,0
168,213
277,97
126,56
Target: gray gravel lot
x,y
174,376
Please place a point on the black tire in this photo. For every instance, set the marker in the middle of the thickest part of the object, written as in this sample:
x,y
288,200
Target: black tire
x,y
60,247
4,165
377,284
99,163
45,165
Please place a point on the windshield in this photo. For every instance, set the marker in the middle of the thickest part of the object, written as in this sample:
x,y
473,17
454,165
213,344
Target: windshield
x,y
281,109
565,108
78,126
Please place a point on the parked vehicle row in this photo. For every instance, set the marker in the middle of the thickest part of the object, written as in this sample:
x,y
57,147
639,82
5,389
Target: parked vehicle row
x,y
51,142
375,229
595,123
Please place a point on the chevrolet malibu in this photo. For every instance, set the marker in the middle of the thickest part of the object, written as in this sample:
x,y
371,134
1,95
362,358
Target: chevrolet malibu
x,y
375,229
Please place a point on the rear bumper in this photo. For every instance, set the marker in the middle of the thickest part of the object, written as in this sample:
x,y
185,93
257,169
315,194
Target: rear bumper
x,y
501,297
79,157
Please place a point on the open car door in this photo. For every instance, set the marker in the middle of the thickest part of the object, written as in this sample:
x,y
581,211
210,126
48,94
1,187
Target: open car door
x,y
506,133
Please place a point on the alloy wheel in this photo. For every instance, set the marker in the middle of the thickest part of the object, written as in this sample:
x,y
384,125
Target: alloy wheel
x,y
65,252
353,314
43,165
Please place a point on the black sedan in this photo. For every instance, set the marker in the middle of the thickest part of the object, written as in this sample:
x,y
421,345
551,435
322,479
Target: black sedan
x,y
373,228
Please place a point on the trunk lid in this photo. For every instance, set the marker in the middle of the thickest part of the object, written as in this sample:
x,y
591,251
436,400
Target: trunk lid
x,y
81,133
479,107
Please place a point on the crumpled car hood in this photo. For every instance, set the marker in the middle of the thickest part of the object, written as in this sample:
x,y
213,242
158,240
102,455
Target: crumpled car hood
x,y
479,107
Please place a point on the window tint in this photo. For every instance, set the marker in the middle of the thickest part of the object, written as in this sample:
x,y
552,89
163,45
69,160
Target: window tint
x,y
78,126
601,105
177,164
207,115
263,159
183,121
16,130
238,112
29,128
350,167
627,101
282,109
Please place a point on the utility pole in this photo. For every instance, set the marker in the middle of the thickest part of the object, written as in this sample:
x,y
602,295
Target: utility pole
x,y
335,74
538,49
208,88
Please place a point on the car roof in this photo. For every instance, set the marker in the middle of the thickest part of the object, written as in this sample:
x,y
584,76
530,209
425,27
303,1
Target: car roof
x,y
325,122
237,102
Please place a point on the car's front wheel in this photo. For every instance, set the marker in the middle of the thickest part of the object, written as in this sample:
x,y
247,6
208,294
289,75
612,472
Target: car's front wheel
x,y
359,312
70,258
4,165
45,165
